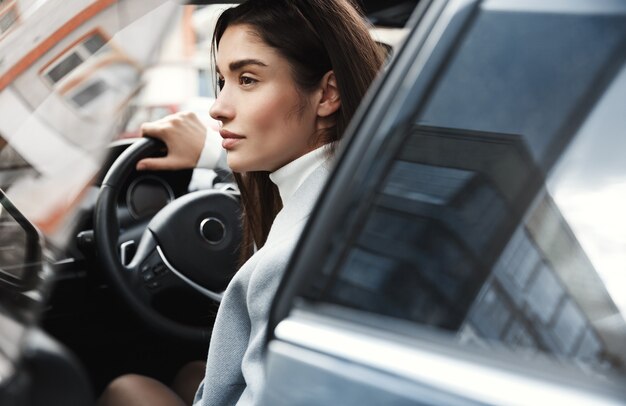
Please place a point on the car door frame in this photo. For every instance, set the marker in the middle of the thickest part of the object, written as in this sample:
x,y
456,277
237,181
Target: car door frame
x,y
320,353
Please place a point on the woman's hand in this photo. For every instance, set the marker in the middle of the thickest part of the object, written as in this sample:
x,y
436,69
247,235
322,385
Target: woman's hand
x,y
184,136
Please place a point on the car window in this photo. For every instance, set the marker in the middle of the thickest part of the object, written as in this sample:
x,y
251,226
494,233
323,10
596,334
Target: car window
x,y
499,218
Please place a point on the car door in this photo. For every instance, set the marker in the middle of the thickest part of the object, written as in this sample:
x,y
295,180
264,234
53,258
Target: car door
x,y
468,247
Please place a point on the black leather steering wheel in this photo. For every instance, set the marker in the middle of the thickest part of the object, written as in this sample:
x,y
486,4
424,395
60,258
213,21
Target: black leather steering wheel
x,y
192,243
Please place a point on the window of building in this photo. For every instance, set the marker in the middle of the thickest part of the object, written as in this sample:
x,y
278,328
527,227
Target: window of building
x,y
72,58
8,16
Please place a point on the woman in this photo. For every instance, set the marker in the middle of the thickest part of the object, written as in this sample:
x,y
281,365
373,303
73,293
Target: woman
x,y
291,75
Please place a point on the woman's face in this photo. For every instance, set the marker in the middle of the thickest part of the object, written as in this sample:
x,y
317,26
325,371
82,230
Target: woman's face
x,y
266,123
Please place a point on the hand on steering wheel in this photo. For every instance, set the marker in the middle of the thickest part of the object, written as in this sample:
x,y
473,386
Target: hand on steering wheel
x,y
184,135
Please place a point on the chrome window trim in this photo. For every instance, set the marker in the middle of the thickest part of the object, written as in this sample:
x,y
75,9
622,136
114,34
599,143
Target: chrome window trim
x,y
453,375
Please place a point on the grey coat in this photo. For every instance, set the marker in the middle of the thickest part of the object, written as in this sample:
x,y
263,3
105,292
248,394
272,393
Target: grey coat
x,y
234,373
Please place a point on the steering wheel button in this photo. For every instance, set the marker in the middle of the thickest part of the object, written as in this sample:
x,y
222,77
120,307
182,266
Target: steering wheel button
x,y
158,269
154,284
213,230
148,276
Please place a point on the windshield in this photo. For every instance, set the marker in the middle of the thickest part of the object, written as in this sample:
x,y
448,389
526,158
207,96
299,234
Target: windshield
x,y
67,75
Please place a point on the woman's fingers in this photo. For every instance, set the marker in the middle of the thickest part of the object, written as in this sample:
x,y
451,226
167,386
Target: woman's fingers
x,y
157,164
184,136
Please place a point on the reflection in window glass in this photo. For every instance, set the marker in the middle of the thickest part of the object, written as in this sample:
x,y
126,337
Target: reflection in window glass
x,y
67,64
89,93
12,165
7,20
94,43
454,241
425,183
537,303
9,157
13,243
436,226
472,231
205,83
589,187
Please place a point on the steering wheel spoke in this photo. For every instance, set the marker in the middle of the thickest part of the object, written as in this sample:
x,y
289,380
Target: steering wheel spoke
x,y
217,296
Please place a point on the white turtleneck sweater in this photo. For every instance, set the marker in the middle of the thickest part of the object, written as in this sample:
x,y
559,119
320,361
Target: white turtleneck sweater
x,y
234,373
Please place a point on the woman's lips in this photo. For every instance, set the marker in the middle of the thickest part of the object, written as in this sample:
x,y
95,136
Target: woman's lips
x,y
230,140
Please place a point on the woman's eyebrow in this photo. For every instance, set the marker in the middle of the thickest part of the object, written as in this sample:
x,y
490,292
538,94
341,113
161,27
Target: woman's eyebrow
x,y
237,65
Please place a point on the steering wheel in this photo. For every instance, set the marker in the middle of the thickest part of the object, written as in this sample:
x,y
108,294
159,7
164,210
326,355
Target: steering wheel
x,y
192,243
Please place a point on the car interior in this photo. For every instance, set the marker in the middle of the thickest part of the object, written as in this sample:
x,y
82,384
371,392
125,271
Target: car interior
x,y
468,248
94,322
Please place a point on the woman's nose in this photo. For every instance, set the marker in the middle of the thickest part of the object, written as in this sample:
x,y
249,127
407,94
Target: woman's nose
x,y
222,109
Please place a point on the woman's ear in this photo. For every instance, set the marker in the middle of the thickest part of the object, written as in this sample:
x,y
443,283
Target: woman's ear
x,y
330,100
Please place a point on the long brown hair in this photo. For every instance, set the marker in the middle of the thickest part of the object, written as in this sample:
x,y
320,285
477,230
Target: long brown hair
x,y
315,36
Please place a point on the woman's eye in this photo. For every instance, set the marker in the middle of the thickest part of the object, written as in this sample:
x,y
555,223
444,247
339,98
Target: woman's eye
x,y
246,81
220,83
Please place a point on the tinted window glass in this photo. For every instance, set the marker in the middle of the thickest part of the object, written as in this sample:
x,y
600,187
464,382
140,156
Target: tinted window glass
x,y
500,217
438,223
